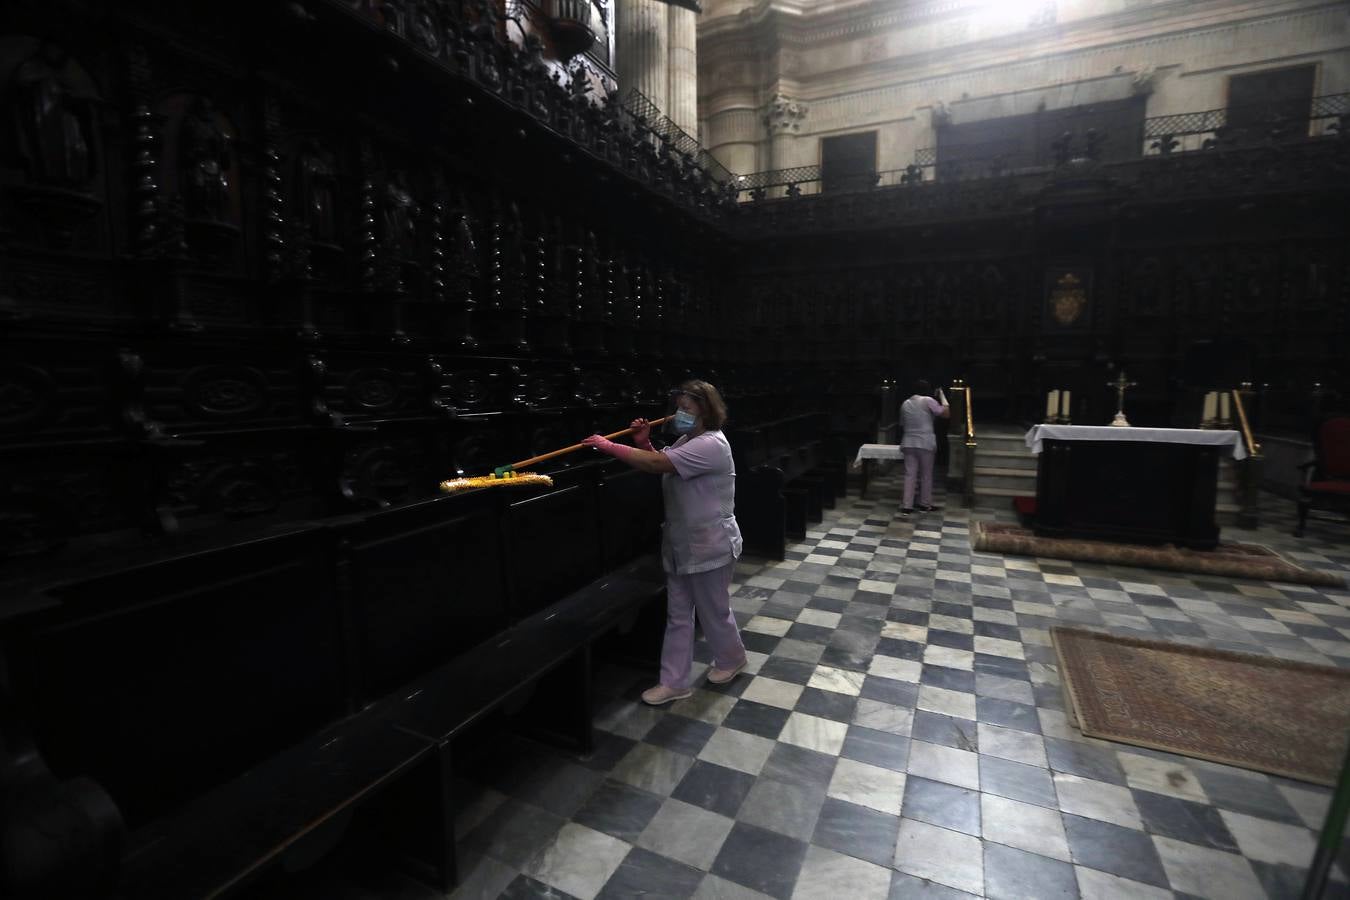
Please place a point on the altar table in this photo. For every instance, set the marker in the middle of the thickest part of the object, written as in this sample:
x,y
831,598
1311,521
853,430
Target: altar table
x,y
1135,485
869,452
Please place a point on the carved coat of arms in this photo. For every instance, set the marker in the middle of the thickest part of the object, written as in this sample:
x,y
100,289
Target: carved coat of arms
x,y
1068,299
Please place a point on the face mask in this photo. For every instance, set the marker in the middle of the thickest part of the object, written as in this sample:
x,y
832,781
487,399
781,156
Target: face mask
x,y
684,422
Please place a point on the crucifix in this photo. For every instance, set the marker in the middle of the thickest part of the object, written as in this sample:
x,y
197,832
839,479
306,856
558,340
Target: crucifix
x,y
1120,384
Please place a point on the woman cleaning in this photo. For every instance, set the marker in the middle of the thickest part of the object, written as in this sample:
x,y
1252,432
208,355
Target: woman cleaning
x,y
700,538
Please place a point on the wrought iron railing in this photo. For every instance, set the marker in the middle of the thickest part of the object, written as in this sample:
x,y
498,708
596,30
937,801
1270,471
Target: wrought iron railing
x,y
1240,126
649,117
1328,115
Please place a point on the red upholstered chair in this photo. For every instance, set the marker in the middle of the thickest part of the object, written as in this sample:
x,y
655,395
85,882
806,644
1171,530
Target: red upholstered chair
x,y
1326,478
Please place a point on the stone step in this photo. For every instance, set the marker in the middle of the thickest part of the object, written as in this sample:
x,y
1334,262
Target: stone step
x,y
1002,492
1023,486
1012,459
1000,441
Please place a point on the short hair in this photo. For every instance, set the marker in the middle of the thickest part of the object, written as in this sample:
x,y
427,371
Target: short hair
x,y
922,387
709,400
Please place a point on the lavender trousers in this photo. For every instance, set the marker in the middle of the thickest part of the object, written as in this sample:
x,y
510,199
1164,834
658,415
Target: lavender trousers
x,y
918,463
709,594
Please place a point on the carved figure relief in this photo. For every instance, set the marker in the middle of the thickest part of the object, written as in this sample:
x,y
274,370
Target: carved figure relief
x,y
399,214
53,118
205,158
316,193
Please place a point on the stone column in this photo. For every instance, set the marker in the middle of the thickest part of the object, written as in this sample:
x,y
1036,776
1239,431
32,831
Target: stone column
x,y
783,122
683,29
642,49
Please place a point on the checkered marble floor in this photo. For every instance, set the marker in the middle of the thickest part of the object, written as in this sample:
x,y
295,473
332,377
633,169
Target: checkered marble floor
x,y
900,732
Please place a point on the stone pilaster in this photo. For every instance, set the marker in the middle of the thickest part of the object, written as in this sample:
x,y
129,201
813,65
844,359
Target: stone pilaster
x,y
642,49
682,25
783,119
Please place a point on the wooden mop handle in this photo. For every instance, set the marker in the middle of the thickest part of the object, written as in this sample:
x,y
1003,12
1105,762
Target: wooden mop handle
x,y
533,460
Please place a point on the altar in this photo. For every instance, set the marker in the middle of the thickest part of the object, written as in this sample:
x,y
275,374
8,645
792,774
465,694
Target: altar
x,y
1135,485
869,452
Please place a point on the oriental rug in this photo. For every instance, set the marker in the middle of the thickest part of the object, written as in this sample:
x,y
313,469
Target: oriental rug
x,y
1231,560
1257,712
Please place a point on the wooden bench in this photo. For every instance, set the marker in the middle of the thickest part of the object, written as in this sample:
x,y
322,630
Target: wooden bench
x,y
249,705
788,472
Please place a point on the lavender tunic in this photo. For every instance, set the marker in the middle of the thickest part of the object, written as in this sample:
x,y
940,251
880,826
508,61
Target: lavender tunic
x,y
916,418
700,533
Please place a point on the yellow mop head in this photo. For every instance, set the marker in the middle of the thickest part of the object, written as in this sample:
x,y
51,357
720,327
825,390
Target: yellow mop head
x,y
506,478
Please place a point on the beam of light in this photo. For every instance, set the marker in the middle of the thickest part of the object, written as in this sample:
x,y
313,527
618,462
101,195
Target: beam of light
x,y
1007,12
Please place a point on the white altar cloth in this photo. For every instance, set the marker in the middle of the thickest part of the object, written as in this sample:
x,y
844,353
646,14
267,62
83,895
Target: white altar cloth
x,y
1231,439
877,451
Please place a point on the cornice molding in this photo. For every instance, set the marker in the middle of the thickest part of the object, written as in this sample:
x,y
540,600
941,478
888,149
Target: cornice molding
x,y
768,27
899,73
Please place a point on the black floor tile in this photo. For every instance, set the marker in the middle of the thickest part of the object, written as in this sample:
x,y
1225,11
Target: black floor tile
x,y
1017,781
714,788
1001,665
1110,848
799,766
755,718
646,874
879,748
826,704
898,649
1194,823
951,639
907,616
828,604
1084,760
1254,796
609,748
888,690
942,804
1012,874
761,860
793,671
1008,713
680,734
907,887
1281,881
857,831
815,634
955,610
845,658
618,809
950,679
757,642
949,731
526,888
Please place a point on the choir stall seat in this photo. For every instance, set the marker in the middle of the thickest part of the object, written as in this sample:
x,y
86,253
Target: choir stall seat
x,y
1326,482
788,472
250,705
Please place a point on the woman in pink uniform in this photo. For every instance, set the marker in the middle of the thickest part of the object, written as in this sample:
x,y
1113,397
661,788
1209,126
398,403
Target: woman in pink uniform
x,y
919,444
700,538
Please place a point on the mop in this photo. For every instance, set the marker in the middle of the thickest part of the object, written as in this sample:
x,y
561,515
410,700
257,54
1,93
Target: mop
x,y
511,474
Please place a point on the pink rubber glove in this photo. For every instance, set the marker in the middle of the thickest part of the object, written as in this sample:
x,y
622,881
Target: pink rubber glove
x,y
605,445
642,434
